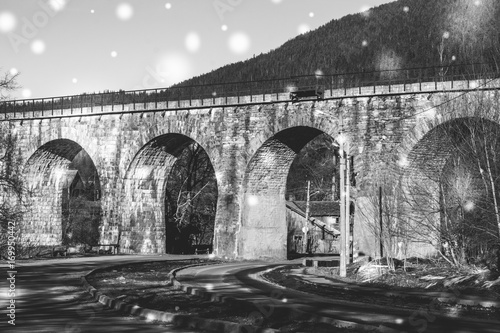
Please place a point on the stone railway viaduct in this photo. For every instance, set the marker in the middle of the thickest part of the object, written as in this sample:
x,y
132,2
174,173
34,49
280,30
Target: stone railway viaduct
x,y
251,141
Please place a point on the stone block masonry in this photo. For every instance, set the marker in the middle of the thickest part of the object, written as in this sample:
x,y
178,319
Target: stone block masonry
x,y
251,147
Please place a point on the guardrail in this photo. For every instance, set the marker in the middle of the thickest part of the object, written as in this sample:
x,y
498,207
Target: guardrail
x,y
247,91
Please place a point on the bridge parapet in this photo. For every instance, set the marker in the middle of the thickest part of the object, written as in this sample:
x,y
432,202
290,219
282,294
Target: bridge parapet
x,y
404,81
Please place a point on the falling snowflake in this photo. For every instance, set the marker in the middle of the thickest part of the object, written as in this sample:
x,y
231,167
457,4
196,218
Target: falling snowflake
x,y
318,73
477,2
406,9
124,11
252,200
13,71
365,11
453,58
468,206
57,5
276,1
303,28
114,54
92,11
38,46
26,93
224,27
192,42
364,43
74,80
174,68
168,5
403,162
446,35
239,43
8,22
311,14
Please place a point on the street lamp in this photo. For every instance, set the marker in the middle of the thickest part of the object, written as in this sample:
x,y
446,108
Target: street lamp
x,y
344,202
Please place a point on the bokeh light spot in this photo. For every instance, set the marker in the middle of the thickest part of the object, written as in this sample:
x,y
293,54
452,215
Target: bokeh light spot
x,y
192,42
13,71
38,46
468,206
365,10
173,68
8,22
364,43
311,14
124,11
224,27
57,5
168,5
75,80
114,54
239,43
26,93
252,200
303,28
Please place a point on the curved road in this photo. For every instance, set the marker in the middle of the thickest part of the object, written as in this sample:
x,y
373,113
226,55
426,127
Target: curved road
x,y
49,299
240,281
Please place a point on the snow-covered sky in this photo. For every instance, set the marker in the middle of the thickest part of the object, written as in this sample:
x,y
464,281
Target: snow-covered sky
x,y
64,47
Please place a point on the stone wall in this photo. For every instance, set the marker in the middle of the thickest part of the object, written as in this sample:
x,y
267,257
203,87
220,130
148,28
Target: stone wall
x,y
251,148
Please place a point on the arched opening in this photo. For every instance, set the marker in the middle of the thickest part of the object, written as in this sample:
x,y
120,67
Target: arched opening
x,y
264,231
450,191
170,197
316,167
63,190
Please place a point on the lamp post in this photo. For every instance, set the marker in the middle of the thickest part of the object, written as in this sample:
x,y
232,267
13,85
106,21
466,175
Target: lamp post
x,y
344,203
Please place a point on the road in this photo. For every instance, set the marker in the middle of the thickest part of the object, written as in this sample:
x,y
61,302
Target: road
x,y
49,299
239,280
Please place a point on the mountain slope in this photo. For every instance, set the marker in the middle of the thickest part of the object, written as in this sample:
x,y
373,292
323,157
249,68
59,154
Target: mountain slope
x,y
401,34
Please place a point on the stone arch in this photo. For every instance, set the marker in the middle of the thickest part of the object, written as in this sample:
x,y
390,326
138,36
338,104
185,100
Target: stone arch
x,y
423,169
263,229
143,195
50,173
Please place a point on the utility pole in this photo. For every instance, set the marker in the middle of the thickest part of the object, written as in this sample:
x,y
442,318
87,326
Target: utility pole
x,y
343,238
306,222
347,206
381,243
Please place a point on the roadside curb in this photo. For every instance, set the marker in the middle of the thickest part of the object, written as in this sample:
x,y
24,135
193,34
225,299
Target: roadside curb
x,y
178,320
445,297
290,312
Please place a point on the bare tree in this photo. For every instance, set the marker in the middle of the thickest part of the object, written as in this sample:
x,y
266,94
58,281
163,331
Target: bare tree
x,y
10,181
191,200
8,83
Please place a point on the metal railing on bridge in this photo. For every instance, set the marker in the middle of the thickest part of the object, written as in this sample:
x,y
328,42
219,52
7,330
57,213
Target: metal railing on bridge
x,y
248,91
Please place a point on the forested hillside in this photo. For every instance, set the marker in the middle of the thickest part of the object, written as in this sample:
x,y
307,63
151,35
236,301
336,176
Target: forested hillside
x,y
401,34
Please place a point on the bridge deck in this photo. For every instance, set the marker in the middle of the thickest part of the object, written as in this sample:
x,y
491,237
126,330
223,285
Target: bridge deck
x,y
165,100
